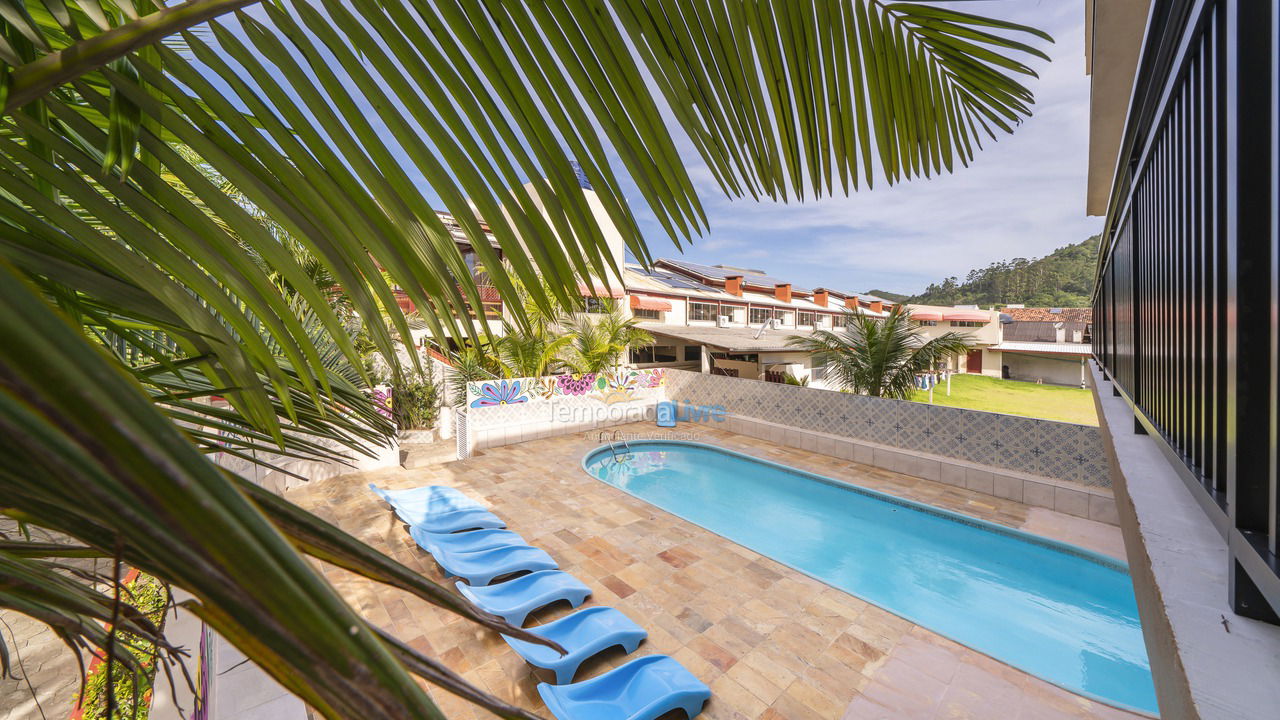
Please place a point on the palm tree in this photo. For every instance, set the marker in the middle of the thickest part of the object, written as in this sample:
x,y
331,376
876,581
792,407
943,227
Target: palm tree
x,y
141,337
529,353
880,356
469,365
597,341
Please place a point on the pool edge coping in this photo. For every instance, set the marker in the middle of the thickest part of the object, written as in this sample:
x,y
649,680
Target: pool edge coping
x,y
1083,553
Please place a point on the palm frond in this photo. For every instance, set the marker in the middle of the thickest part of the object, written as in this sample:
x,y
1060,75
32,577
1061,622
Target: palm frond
x,y
880,356
598,340
178,211
95,461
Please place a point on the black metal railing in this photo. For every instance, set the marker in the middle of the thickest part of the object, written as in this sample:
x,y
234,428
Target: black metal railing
x,y
1185,322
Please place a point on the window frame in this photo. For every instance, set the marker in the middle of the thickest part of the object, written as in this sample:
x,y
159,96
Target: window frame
x,y
638,355
696,309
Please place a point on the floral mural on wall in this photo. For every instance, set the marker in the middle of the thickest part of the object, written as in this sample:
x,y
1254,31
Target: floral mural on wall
x,y
609,387
575,384
617,386
498,392
382,399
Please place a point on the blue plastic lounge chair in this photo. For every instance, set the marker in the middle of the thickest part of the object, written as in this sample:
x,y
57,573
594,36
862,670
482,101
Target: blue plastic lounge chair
x,y
582,634
464,542
482,566
643,689
451,521
514,599
428,500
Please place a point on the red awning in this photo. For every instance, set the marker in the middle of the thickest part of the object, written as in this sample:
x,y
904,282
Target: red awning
x,y
968,316
647,303
599,291
925,315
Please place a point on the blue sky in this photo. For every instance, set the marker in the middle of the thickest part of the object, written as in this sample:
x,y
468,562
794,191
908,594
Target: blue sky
x,y
1022,197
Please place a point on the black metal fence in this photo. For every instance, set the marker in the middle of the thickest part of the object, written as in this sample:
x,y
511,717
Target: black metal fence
x,y
1185,311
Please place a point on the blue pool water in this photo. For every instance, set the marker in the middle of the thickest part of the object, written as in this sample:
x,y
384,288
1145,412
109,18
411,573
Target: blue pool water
x,y
1059,612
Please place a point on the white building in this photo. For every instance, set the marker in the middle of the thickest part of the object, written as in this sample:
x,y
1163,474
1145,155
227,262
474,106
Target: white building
x,y
731,320
739,321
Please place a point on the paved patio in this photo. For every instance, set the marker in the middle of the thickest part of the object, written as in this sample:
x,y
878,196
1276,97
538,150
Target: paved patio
x,y
772,643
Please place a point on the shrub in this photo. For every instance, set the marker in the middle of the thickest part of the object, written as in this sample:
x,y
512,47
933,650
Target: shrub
x,y
414,402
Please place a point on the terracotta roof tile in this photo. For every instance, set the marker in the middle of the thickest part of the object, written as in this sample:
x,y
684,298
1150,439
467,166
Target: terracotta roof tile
x,y
1043,314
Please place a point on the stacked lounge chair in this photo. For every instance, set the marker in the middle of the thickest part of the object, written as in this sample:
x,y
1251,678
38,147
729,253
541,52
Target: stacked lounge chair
x,y
469,542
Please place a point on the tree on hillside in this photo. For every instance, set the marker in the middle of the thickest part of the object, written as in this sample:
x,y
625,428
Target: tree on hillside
x,y
1063,278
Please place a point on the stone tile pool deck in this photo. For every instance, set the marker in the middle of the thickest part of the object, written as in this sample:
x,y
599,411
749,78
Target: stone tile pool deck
x,y
770,642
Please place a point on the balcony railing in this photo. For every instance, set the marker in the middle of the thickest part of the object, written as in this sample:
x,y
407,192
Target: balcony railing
x,y
490,302
1184,316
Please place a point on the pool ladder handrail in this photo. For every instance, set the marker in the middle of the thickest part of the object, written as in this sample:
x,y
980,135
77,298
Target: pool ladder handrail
x,y
613,442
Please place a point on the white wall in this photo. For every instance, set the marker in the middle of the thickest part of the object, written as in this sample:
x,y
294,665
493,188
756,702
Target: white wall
x,y
1051,369
748,370
798,364
991,361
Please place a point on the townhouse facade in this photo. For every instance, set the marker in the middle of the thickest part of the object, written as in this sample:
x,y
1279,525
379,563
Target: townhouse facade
x,y
740,321
734,321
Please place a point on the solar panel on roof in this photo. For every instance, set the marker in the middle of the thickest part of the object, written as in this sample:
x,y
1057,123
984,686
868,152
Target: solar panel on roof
x,y
716,273
672,280
703,270
678,282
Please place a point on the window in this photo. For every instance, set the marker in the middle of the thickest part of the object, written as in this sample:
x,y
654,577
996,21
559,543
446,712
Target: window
x,y
644,314
702,311
654,354
808,318
597,304
760,315
784,317
693,353
926,323
739,357
966,323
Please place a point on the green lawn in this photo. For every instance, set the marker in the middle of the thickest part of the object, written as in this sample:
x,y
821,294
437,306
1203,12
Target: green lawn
x,y
1050,402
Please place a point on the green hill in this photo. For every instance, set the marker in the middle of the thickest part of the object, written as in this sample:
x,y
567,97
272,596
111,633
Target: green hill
x,y
1064,278
892,296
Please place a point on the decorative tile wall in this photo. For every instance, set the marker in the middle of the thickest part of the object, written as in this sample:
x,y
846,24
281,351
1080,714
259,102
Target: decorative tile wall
x,y
606,388
501,412
1061,451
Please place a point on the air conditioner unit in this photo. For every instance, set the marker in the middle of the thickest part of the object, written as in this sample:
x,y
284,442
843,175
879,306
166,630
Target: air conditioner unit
x,y
722,321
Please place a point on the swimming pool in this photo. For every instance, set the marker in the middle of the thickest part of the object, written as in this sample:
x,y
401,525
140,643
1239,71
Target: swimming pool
x,y
1056,611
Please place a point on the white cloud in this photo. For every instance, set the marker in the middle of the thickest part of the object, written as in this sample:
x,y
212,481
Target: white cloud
x,y
1022,196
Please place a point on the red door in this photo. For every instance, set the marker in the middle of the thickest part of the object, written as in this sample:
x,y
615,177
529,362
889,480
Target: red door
x,y
973,362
